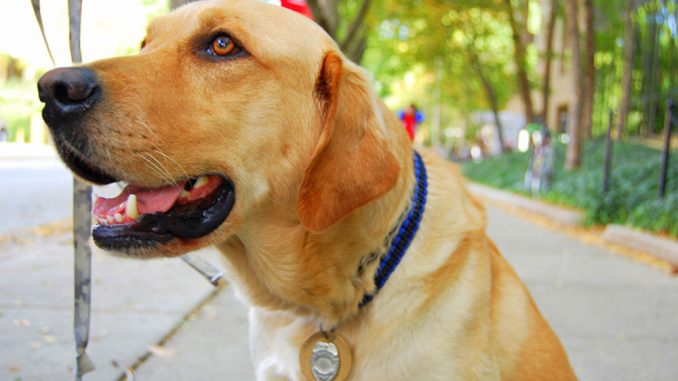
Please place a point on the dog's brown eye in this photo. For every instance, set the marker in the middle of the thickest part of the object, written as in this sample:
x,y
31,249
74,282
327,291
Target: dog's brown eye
x,y
224,46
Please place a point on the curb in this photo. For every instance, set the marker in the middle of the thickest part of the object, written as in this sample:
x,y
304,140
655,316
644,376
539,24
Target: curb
x,y
664,249
567,217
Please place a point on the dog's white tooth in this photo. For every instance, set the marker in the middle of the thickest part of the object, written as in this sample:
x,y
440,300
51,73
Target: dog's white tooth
x,y
131,208
183,194
118,217
109,219
201,181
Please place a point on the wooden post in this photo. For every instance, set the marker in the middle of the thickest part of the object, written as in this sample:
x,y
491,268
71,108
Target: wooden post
x,y
608,155
668,123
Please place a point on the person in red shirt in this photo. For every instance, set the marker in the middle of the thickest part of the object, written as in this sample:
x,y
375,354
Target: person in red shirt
x,y
298,6
411,117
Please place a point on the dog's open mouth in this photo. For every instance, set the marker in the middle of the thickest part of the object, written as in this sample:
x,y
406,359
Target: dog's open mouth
x,y
141,217
144,217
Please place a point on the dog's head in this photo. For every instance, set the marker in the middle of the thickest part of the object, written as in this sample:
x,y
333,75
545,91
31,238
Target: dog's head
x,y
232,110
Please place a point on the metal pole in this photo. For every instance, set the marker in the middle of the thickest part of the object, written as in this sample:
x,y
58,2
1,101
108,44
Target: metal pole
x,y
608,155
82,205
668,123
38,17
209,272
82,224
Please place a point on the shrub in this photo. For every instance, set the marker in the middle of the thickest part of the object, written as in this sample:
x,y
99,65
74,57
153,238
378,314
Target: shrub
x,y
634,184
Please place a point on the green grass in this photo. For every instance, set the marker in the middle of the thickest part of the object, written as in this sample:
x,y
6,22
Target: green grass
x,y
18,102
631,200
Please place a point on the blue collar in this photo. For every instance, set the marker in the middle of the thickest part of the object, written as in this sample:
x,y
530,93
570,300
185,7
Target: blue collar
x,y
406,231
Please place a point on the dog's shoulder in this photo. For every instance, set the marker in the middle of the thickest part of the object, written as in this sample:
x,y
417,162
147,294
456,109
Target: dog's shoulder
x,y
449,201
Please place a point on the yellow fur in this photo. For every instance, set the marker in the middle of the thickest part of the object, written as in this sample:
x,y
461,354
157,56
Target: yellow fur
x,y
322,172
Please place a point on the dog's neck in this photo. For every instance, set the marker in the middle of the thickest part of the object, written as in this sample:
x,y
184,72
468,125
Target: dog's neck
x,y
278,264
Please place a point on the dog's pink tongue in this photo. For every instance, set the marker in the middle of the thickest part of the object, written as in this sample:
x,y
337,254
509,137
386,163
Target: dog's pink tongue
x,y
148,200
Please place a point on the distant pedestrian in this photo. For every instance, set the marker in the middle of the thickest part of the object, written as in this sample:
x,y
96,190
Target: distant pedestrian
x,y
4,135
539,173
411,117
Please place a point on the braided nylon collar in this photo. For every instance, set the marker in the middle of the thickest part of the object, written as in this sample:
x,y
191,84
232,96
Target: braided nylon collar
x,y
406,231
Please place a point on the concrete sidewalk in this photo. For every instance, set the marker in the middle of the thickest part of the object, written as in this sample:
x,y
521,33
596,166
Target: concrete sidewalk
x,y
660,247
616,317
135,304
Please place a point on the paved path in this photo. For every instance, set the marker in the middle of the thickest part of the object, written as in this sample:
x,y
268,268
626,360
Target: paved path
x,y
135,304
35,187
617,318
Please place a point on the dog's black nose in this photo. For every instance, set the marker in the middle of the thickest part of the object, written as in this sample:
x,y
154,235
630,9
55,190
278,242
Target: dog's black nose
x,y
68,93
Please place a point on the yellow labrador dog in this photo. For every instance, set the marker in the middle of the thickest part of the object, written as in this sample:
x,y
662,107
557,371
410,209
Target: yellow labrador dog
x,y
241,125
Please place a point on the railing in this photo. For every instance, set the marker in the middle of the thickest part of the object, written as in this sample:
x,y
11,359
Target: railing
x,y
669,121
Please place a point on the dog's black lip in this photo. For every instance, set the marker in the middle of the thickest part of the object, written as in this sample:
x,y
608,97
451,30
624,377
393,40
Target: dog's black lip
x,y
181,222
82,167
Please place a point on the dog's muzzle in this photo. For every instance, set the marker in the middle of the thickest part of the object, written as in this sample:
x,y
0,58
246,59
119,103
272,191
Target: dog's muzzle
x,y
140,217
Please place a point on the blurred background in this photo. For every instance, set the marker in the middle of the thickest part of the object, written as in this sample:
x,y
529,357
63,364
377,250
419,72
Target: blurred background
x,y
479,73
560,108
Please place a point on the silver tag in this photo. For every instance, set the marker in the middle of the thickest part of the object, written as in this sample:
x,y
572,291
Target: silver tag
x,y
325,356
325,361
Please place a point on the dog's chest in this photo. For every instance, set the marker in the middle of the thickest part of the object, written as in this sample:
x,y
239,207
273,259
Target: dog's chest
x,y
275,339
383,354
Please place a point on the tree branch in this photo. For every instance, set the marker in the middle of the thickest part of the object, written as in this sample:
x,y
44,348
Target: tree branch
x,y
322,16
355,26
520,61
488,87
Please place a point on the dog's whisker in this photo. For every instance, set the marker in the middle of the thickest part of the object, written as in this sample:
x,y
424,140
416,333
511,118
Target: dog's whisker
x,y
170,158
150,134
163,167
151,165
155,166
167,174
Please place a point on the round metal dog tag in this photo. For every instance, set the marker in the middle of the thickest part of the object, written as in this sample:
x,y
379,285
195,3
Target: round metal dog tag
x,y
325,357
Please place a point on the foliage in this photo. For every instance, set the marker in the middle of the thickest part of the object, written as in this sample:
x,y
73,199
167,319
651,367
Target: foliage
x,y
18,102
505,171
632,198
610,60
433,38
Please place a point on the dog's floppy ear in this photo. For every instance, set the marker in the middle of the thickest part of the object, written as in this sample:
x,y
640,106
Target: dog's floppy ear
x,y
351,164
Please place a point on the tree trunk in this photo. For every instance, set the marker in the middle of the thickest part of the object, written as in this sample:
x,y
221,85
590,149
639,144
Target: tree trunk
x,y
649,58
655,81
489,92
672,55
355,50
520,60
326,14
573,157
548,58
589,72
356,26
628,69
354,42
177,3
12,69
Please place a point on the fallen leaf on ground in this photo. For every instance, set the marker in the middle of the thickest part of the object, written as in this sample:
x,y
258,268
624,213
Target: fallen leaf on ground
x,y
161,351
